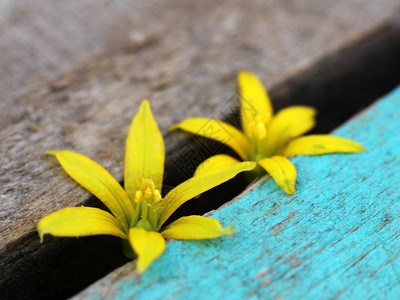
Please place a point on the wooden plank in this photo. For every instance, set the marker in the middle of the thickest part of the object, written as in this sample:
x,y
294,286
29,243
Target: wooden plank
x,y
42,39
337,237
176,60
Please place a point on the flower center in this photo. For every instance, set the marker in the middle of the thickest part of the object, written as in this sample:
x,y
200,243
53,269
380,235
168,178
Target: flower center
x,y
258,136
147,200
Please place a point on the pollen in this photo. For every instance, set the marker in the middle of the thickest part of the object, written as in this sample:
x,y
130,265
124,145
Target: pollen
x,y
147,191
138,196
157,196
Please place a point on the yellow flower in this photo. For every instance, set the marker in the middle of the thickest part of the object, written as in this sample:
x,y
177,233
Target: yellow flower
x,y
138,212
267,139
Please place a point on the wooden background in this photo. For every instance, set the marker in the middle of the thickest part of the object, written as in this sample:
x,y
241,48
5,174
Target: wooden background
x,y
72,75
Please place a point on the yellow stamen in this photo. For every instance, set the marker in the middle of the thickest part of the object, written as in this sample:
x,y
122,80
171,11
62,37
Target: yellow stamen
x,y
148,193
138,196
149,184
157,196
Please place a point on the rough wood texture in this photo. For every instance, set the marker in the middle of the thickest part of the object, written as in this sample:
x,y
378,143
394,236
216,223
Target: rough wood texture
x,y
72,75
337,237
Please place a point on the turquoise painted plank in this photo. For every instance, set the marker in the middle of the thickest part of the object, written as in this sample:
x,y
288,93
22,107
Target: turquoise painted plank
x,y
337,237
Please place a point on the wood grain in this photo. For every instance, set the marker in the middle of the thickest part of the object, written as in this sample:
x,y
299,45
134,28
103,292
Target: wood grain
x,y
72,75
337,237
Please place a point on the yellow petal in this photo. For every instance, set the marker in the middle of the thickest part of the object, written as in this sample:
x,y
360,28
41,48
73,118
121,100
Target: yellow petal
x,y
321,144
214,163
282,171
148,246
196,228
198,185
144,153
289,123
80,221
216,130
254,100
98,181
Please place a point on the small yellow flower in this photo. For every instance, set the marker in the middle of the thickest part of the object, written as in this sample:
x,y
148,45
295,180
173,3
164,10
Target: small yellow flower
x,y
138,212
267,139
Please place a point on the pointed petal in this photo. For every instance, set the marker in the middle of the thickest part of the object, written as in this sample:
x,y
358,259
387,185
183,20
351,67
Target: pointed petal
x,y
216,130
254,100
289,123
282,171
80,221
148,246
196,228
321,144
198,185
98,181
144,153
214,163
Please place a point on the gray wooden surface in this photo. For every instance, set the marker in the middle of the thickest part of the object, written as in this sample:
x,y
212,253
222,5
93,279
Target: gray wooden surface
x,y
72,75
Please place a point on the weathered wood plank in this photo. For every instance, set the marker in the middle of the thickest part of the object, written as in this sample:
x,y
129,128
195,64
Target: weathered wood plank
x,y
337,237
42,39
183,56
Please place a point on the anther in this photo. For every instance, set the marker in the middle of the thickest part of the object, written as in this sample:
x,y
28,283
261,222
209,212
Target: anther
x,y
148,193
138,196
157,196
